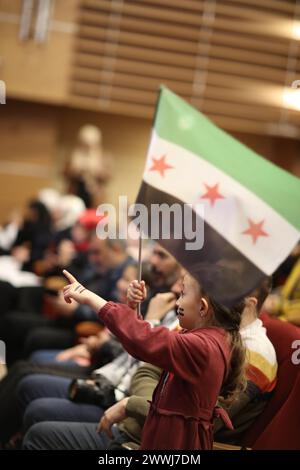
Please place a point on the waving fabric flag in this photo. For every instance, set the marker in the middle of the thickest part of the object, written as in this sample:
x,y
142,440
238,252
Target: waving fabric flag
x,y
251,206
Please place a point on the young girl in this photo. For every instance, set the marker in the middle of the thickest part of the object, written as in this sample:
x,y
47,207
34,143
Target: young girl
x,y
201,362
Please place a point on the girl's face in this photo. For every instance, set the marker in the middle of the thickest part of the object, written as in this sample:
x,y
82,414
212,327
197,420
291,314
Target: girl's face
x,y
189,303
129,274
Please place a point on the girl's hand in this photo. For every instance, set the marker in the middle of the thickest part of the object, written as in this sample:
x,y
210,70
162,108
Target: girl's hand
x,y
113,415
74,290
159,305
136,293
80,294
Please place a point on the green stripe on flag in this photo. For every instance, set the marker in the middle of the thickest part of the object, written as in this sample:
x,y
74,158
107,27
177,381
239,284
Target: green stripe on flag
x,y
180,123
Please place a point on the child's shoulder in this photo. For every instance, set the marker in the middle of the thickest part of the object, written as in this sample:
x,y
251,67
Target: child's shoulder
x,y
208,334
209,343
214,340
210,331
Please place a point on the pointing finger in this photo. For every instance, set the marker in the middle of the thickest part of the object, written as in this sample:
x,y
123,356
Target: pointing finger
x,y
69,276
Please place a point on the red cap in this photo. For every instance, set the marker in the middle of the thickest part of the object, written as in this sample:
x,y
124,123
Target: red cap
x,y
89,219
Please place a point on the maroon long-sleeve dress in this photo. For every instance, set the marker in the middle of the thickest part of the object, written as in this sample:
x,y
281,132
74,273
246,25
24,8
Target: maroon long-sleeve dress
x,y
195,364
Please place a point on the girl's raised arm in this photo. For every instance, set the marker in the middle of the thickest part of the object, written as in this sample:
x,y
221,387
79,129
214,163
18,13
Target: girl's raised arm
x,y
80,294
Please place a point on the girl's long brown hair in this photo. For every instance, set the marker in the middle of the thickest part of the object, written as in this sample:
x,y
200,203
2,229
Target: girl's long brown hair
x,y
229,319
235,379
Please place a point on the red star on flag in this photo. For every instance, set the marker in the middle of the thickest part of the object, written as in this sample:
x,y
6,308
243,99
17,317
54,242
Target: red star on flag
x,y
159,164
212,193
255,230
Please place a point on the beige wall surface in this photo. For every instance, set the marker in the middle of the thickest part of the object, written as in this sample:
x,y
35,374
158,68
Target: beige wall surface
x,y
36,140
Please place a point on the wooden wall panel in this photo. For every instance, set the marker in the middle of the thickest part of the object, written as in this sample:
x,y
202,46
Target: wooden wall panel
x,y
232,58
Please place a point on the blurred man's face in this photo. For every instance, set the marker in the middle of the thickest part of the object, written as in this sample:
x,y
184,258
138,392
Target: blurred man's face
x,y
99,254
164,267
79,233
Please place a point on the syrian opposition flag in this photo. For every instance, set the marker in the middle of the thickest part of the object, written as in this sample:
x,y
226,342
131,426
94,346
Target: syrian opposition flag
x,y
251,207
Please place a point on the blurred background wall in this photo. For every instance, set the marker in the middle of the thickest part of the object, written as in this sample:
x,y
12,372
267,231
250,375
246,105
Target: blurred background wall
x,y
66,63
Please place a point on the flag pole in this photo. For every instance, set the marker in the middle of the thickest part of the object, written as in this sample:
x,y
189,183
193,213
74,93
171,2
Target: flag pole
x,y
140,238
139,270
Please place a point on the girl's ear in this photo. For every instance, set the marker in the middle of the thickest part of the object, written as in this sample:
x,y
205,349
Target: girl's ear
x,y
251,302
203,307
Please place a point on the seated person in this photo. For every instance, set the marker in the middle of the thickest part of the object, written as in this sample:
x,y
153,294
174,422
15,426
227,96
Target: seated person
x,y
261,369
24,334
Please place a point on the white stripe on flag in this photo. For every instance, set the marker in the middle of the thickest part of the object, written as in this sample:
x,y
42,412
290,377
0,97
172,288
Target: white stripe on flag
x,y
229,216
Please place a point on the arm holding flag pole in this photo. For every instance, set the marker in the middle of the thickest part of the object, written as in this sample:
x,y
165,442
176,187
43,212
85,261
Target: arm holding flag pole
x,y
159,345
